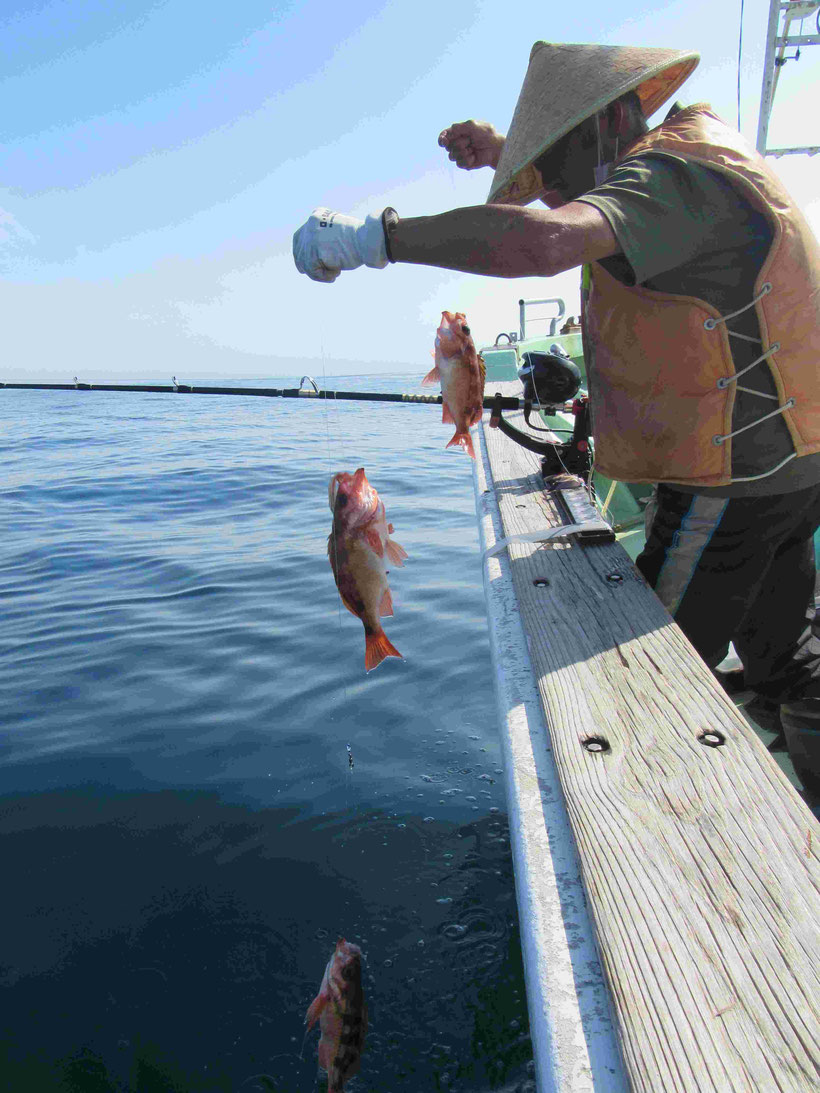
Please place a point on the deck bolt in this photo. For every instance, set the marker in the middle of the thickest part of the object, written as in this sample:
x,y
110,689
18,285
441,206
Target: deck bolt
x,y
540,582
614,578
712,739
596,744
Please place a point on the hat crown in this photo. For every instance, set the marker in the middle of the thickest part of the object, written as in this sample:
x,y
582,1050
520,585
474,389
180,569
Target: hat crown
x,y
567,83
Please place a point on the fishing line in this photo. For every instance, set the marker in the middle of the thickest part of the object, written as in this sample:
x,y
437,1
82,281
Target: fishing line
x,y
330,473
349,775
589,487
542,409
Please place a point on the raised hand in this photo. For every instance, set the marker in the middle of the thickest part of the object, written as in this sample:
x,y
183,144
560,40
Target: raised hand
x,y
472,144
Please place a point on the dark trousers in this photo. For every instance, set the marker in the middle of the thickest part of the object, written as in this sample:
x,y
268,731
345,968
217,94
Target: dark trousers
x,y
741,570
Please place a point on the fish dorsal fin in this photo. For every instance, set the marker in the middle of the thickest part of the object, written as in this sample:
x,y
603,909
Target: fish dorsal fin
x,y
349,606
331,553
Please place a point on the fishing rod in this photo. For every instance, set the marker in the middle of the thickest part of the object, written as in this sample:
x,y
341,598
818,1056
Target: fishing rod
x,y
506,403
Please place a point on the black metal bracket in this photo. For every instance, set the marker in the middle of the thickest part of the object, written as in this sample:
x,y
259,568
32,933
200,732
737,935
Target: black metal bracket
x,y
573,456
497,421
566,468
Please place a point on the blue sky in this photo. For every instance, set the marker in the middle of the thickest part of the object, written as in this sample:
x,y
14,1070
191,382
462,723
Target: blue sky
x,y
157,158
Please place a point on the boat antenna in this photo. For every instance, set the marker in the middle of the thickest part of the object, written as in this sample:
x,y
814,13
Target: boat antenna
x,y
739,55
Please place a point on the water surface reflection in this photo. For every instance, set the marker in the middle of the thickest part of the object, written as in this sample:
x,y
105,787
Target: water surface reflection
x,y
170,941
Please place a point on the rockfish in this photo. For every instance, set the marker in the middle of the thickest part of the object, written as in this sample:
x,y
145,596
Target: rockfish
x,y
342,1013
461,371
357,547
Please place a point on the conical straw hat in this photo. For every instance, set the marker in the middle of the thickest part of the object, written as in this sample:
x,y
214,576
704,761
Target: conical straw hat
x,y
565,85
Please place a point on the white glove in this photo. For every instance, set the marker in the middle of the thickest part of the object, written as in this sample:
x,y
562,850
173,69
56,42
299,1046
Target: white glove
x,y
329,242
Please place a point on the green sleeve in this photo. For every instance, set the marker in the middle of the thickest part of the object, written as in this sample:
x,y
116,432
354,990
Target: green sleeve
x,y
667,213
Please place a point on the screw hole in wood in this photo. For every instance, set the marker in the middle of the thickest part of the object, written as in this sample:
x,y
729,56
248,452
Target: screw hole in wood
x,y
712,738
596,744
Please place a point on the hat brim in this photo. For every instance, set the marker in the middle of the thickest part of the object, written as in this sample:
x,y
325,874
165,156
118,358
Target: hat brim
x,y
565,85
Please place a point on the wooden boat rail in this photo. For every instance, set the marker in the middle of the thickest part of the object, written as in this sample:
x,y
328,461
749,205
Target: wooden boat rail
x,y
699,861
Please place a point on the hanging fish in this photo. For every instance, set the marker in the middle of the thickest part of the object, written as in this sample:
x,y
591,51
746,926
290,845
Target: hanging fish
x,y
342,1013
357,548
461,371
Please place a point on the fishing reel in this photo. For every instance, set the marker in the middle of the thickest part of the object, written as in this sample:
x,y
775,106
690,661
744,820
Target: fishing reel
x,y
549,379
551,382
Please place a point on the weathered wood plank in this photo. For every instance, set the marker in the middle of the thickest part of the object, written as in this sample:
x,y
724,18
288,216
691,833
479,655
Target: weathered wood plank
x,y
575,1042
701,864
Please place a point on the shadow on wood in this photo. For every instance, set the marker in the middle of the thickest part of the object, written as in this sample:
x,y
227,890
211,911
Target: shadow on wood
x,y
700,860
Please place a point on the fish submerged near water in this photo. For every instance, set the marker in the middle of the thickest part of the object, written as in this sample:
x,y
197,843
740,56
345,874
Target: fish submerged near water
x,y
342,1013
460,370
357,548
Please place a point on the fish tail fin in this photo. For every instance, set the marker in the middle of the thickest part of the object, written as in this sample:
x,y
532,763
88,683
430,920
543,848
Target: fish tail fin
x,y
463,440
377,647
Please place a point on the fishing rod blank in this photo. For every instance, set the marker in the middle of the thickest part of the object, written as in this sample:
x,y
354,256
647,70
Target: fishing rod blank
x,y
263,392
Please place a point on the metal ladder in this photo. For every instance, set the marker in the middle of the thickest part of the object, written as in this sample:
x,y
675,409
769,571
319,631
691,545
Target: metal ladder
x,y
776,45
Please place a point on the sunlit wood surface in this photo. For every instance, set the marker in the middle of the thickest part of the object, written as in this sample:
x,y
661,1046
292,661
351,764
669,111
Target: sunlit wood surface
x,y
700,863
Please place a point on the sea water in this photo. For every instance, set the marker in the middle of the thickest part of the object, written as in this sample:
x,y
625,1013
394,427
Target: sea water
x,y
200,787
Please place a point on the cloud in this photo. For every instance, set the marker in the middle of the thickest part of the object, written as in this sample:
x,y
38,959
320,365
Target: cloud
x,y
12,231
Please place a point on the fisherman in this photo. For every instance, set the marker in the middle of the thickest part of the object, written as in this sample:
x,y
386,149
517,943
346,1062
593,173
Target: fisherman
x,y
701,299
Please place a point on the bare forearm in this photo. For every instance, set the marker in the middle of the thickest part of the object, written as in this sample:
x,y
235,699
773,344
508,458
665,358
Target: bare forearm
x,y
504,240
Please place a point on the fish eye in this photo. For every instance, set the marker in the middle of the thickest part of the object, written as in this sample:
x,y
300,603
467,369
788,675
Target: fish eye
x,y
465,330
341,498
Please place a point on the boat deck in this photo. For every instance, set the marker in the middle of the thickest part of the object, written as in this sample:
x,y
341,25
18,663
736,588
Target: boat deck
x,y
667,871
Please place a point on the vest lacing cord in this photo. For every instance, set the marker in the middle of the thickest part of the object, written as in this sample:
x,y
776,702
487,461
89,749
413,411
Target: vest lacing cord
x,y
724,381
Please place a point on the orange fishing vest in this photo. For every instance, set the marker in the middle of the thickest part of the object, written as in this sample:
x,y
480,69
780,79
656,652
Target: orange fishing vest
x,y
662,379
